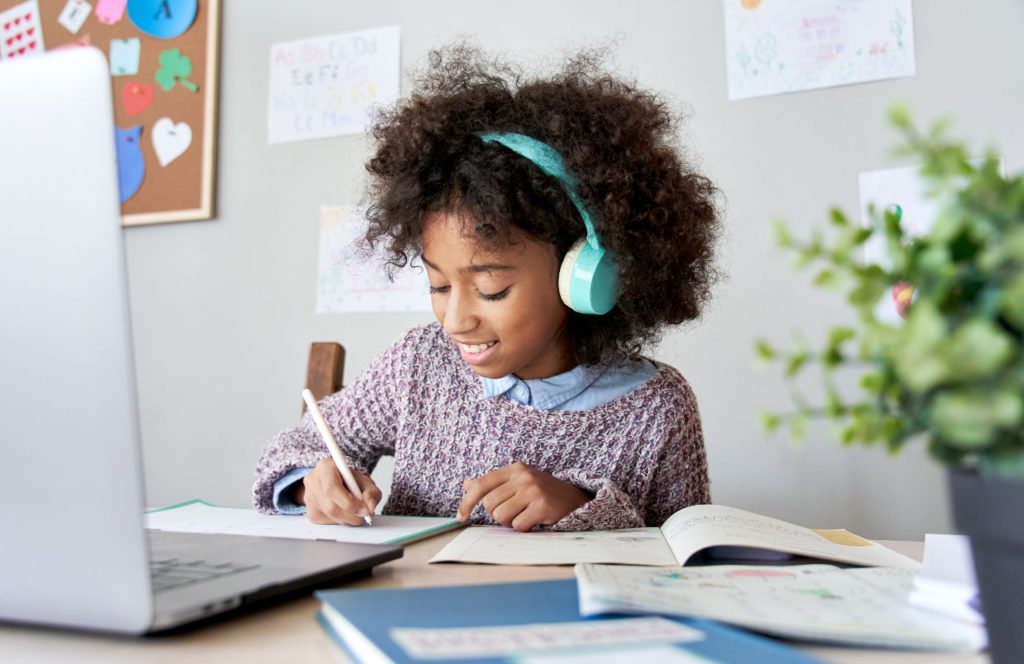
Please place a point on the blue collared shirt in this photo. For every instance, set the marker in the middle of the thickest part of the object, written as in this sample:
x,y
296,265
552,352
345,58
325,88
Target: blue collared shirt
x,y
582,388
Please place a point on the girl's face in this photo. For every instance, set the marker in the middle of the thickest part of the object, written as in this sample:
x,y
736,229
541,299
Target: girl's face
x,y
500,307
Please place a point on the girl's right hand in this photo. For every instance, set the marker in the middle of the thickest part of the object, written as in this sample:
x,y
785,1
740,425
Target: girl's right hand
x,y
328,501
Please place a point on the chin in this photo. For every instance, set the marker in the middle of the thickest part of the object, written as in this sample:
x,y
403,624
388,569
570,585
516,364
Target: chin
x,y
488,372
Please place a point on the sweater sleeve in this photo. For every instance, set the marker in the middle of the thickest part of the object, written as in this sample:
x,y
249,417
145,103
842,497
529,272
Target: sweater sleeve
x,y
362,416
679,479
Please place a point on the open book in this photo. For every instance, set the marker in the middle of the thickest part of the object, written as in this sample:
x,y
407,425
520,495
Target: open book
x,y
692,529
822,603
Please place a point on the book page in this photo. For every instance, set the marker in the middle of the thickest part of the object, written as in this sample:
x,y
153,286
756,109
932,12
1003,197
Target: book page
x,y
700,526
810,602
200,517
505,546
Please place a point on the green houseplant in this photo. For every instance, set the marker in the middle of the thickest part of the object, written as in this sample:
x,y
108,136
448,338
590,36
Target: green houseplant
x,y
951,375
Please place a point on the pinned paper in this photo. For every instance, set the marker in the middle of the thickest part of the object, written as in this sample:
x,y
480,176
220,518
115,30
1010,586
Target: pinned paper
x,y
777,47
328,86
170,140
137,97
74,14
175,68
21,33
124,56
349,281
164,19
110,11
131,165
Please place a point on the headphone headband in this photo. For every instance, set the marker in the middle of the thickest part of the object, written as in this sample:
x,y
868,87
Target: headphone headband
x,y
548,160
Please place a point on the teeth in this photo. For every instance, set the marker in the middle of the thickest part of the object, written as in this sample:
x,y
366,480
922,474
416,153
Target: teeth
x,y
478,348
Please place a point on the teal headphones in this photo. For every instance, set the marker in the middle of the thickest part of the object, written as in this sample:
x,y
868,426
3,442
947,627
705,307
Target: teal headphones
x,y
588,280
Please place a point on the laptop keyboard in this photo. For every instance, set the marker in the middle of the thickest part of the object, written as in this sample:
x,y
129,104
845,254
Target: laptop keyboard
x,y
174,573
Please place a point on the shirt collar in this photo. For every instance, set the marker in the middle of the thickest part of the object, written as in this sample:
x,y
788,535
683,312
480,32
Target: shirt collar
x,y
545,393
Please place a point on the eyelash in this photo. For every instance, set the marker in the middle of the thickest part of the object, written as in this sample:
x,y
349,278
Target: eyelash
x,y
490,297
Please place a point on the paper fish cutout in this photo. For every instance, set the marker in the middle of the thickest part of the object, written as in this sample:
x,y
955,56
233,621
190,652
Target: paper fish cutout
x,y
131,165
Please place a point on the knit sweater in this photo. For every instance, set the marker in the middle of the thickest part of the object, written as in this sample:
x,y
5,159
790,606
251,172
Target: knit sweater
x,y
641,456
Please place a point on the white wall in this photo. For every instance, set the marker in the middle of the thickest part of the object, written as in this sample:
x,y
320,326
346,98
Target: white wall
x,y
224,310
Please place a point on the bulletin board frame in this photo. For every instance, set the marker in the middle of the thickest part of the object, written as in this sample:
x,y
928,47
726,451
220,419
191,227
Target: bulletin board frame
x,y
177,183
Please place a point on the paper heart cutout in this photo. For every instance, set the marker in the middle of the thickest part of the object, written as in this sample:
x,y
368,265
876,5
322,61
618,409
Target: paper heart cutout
x,y
137,97
170,140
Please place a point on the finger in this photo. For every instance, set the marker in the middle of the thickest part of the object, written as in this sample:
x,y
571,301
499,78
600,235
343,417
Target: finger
x,y
475,489
371,493
506,512
528,518
337,502
497,496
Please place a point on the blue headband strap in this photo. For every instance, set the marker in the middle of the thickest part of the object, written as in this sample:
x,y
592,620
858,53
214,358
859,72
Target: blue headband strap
x,y
548,160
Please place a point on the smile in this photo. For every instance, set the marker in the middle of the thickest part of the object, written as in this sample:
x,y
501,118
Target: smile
x,y
477,348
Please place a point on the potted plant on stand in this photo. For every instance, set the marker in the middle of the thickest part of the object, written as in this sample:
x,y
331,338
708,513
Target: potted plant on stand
x,y
950,373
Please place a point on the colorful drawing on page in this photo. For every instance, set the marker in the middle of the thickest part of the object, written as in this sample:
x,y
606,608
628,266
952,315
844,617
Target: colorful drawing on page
x,y
73,16
21,33
131,165
136,97
170,139
350,281
110,11
328,86
164,19
778,47
175,68
124,56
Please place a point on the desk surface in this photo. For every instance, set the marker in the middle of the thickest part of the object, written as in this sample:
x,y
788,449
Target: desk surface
x,y
289,632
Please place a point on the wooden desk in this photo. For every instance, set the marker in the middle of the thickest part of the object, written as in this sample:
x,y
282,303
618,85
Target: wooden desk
x,y
289,633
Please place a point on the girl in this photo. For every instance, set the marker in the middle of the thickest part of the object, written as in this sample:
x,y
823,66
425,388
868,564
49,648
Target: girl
x,y
561,231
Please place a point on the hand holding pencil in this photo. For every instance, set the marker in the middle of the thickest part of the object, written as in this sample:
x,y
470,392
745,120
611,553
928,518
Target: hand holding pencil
x,y
332,492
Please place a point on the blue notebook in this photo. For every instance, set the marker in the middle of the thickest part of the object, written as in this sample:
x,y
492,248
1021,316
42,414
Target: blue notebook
x,y
382,626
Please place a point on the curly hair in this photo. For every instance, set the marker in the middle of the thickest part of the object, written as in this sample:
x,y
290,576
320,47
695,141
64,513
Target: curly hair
x,y
652,210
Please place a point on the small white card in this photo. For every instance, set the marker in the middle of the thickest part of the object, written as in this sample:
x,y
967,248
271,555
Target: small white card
x,y
74,14
21,33
478,642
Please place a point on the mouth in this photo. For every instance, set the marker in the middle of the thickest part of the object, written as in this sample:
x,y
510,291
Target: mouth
x,y
477,354
476,349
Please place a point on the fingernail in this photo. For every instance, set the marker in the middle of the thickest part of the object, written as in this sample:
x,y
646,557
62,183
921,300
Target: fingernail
x,y
458,516
362,512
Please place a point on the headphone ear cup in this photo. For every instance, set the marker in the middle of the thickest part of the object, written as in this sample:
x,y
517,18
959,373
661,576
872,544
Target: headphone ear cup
x,y
588,279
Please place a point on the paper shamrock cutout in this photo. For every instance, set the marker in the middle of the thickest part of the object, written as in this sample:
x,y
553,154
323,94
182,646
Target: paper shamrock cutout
x,y
175,68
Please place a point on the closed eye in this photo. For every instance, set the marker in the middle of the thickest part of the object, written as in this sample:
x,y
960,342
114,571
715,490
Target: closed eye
x,y
439,289
491,297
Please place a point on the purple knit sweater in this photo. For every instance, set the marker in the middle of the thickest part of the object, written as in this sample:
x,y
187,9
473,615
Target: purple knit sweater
x,y
641,456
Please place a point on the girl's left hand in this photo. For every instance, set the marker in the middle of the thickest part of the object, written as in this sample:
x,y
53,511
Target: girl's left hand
x,y
520,496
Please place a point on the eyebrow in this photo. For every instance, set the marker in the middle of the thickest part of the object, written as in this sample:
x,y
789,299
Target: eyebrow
x,y
482,267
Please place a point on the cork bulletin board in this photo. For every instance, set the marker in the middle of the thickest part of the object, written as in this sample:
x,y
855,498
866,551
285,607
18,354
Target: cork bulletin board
x,y
163,59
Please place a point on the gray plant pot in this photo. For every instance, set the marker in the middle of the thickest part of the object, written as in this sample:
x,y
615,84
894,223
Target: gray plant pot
x,y
991,512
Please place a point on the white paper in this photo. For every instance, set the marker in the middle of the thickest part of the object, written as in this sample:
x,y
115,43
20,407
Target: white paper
x,y
327,86
946,582
74,14
505,546
777,46
21,32
505,640
348,281
811,602
199,517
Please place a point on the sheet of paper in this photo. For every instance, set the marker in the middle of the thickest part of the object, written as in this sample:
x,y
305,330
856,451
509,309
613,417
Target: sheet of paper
x,y
481,642
349,281
810,602
505,546
199,517
327,86
776,47
21,32
700,526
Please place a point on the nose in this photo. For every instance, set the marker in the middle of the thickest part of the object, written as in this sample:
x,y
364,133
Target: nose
x,y
459,312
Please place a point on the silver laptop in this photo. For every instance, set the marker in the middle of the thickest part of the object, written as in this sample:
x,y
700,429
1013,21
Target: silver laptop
x,y
74,549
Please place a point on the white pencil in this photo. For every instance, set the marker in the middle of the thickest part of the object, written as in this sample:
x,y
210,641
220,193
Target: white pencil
x,y
332,445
